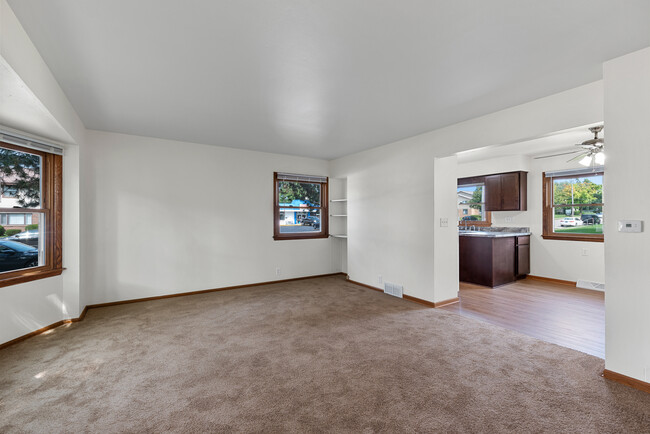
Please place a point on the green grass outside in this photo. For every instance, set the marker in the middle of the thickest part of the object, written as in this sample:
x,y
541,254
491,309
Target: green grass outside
x,y
585,229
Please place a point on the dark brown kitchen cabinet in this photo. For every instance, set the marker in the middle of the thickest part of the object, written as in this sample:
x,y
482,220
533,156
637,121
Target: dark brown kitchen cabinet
x,y
506,191
493,261
523,256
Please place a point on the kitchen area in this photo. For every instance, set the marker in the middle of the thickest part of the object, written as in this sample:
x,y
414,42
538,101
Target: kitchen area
x,y
513,274
490,255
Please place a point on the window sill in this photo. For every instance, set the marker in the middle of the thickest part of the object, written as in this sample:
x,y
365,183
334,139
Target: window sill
x,y
584,237
29,276
299,237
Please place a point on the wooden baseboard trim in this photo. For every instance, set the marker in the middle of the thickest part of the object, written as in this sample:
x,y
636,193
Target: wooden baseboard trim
x,y
205,291
431,303
548,279
159,297
628,381
364,285
446,302
31,334
410,297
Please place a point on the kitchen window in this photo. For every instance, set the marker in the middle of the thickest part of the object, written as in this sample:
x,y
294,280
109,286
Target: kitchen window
x,y
300,207
470,194
30,214
573,205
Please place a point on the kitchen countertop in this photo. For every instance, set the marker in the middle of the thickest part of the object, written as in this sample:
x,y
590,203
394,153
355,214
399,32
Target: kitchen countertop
x,y
492,234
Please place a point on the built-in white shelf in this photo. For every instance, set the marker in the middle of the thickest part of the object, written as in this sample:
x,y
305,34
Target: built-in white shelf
x,y
338,200
339,236
338,215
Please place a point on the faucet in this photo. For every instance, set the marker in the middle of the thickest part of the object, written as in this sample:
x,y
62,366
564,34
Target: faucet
x,y
472,228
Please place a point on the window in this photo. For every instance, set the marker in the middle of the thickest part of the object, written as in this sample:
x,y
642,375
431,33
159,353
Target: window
x,y
300,208
573,205
18,219
30,214
9,191
470,195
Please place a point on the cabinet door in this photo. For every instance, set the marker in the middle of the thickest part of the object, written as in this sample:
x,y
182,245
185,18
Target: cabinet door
x,y
523,259
510,192
493,193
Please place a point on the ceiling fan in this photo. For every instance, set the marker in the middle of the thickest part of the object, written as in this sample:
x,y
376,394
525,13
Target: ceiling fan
x,y
591,151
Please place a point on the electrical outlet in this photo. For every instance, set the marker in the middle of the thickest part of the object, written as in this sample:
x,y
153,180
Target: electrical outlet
x,y
508,219
585,252
380,279
444,222
277,271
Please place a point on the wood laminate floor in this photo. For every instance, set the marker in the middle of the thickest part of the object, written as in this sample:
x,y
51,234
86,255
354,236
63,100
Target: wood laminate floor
x,y
553,312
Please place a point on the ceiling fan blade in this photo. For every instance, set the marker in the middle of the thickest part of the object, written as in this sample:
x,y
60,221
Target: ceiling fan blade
x,y
578,156
556,155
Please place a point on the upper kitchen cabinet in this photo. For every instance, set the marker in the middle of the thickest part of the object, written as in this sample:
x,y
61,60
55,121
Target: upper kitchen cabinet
x,y
506,191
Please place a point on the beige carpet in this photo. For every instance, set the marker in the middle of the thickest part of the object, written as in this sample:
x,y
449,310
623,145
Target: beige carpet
x,y
307,356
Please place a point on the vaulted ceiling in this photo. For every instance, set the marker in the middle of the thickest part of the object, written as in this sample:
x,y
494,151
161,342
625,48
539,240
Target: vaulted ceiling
x,y
320,78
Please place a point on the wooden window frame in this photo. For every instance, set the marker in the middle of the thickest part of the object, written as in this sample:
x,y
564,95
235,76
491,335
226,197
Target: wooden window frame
x,y
473,180
548,214
52,209
324,221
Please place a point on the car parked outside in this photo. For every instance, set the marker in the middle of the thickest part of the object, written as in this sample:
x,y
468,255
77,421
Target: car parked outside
x,y
310,221
571,221
29,237
15,256
590,219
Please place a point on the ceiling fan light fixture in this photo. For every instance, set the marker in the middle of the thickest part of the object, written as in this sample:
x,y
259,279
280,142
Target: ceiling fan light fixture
x,y
586,160
599,158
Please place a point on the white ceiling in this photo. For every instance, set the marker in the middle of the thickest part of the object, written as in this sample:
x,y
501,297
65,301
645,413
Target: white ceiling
x,y
551,144
319,78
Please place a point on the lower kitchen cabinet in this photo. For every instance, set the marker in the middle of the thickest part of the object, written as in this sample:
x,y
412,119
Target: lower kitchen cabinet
x,y
493,261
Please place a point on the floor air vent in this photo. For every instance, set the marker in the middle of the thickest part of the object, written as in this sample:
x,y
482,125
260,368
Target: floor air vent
x,y
590,285
393,289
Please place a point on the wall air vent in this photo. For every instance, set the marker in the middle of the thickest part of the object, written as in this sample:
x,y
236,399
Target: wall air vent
x,y
393,289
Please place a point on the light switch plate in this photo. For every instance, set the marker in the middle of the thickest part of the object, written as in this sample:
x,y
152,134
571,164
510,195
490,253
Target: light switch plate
x,y
630,225
444,222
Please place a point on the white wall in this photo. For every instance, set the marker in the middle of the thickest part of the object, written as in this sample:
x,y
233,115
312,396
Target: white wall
x,y
390,209
169,217
445,235
391,190
33,305
549,258
627,256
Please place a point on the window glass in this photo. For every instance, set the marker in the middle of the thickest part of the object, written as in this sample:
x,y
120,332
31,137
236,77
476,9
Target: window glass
x,y
299,193
301,207
22,247
30,214
471,203
578,205
20,177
